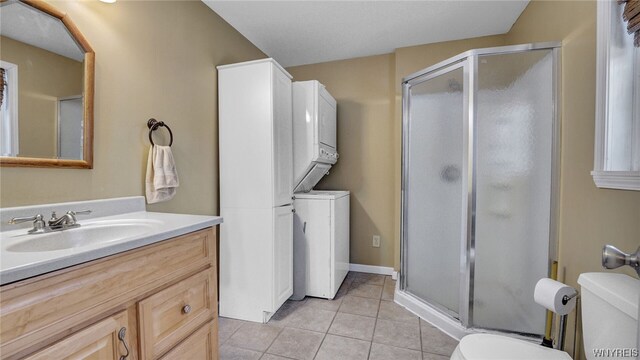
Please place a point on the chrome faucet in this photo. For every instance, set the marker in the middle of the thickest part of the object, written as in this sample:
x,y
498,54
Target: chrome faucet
x,y
38,222
66,221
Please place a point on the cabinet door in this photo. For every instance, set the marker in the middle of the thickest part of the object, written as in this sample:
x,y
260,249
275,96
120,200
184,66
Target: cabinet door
x,y
97,342
282,139
282,255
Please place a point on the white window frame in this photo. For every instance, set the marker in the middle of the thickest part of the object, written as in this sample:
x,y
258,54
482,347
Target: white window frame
x,y
12,107
604,178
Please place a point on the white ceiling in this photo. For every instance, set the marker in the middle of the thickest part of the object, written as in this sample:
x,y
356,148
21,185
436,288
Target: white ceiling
x,y
307,32
28,25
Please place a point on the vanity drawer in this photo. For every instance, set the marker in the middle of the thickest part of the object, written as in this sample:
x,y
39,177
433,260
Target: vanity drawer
x,y
201,345
166,318
37,312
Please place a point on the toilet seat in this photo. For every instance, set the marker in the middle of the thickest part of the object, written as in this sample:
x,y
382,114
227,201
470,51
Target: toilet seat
x,y
498,347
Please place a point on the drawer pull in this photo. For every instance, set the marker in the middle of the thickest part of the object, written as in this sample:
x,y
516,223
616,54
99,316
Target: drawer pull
x,y
121,335
186,309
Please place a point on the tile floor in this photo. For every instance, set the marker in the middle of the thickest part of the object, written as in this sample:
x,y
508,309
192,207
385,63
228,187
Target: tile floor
x,y
362,322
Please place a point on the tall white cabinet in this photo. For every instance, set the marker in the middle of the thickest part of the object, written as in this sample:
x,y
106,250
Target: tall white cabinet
x,y
256,189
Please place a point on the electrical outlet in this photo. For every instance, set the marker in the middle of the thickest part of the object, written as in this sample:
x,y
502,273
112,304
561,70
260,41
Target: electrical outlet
x,y
376,241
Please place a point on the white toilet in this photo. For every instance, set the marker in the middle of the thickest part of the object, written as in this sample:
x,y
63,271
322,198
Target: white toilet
x,y
609,318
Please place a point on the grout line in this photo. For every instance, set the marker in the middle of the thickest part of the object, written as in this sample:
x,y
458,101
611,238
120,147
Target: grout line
x,y
233,333
420,333
274,339
326,332
375,325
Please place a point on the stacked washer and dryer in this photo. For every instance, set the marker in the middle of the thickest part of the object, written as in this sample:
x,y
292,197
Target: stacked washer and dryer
x,y
276,137
324,215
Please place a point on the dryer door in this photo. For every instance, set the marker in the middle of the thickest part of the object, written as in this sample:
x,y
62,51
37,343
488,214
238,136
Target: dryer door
x,y
327,124
313,176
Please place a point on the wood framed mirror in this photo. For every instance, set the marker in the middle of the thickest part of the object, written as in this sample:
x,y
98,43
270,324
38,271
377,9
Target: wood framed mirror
x,y
47,88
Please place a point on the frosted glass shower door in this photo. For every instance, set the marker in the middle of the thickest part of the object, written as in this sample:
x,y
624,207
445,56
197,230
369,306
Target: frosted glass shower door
x,y
514,162
433,189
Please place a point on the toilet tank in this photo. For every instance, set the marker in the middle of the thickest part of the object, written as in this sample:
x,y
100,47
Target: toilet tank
x,y
610,315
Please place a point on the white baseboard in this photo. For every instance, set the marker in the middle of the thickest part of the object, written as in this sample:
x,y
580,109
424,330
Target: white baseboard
x,y
372,269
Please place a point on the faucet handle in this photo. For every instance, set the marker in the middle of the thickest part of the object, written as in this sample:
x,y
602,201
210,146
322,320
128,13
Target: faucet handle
x,y
38,222
73,214
18,220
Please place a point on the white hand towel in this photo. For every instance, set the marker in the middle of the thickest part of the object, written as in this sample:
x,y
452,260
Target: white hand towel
x,y
162,177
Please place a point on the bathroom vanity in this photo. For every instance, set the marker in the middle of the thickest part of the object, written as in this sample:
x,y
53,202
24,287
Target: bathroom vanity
x,y
151,295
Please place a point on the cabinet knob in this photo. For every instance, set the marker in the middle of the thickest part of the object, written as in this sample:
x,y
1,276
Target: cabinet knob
x,y
186,309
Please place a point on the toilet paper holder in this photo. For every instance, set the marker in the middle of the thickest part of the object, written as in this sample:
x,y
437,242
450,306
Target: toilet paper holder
x,y
558,302
567,298
563,321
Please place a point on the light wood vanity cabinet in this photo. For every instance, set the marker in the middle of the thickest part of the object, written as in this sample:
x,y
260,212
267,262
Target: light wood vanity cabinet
x,y
162,295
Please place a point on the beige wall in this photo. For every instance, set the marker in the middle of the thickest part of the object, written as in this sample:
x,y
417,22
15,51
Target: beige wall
x,y
153,59
43,77
589,217
362,88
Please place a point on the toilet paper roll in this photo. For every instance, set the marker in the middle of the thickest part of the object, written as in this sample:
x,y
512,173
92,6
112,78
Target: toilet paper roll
x,y
549,293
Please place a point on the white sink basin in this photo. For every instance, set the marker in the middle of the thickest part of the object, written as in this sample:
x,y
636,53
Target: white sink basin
x,y
92,233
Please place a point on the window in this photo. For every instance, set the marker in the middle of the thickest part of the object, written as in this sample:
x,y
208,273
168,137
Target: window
x,y
617,143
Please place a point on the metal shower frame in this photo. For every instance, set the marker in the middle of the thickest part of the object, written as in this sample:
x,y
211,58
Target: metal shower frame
x,y
468,61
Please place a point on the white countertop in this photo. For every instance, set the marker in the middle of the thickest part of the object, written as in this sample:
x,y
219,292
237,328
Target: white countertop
x,y
18,265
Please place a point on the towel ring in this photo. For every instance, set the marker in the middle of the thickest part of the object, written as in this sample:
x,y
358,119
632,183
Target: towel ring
x,y
153,125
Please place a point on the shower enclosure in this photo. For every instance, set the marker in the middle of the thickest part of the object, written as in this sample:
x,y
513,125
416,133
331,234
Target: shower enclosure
x,y
479,178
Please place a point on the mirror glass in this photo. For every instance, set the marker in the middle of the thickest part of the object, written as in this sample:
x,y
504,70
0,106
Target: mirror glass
x,y
42,109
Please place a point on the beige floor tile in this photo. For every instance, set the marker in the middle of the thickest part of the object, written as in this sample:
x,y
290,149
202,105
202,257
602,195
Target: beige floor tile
x,y
344,288
430,356
324,304
254,336
359,306
296,344
388,291
389,280
369,279
365,290
386,352
341,348
435,341
353,326
272,357
227,352
310,318
226,328
285,311
399,334
351,276
392,311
